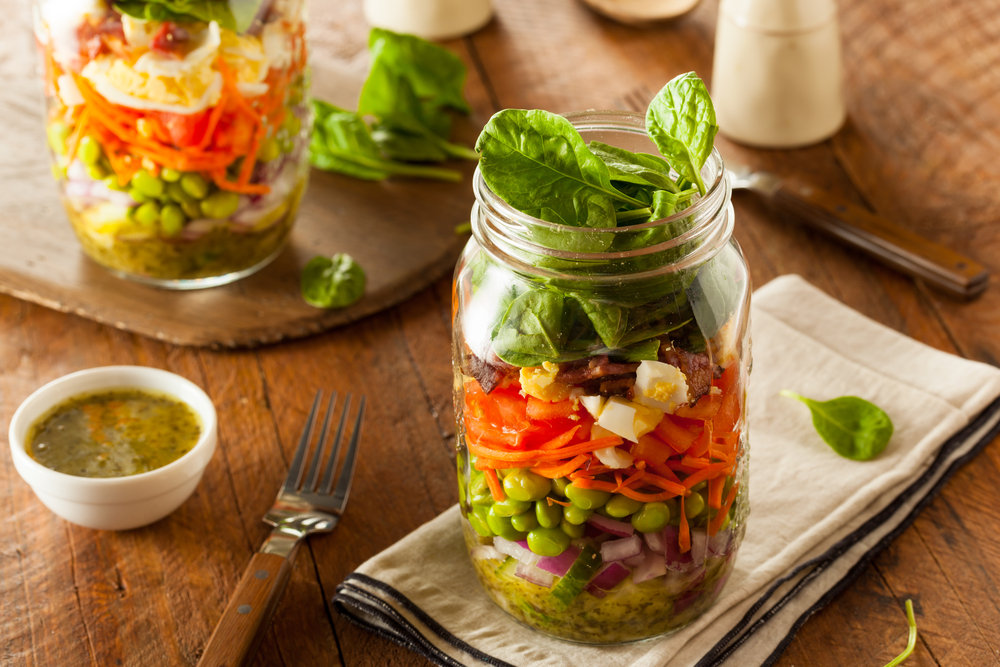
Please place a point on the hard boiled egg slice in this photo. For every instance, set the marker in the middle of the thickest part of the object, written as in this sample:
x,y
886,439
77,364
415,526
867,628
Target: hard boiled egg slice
x,y
627,419
661,386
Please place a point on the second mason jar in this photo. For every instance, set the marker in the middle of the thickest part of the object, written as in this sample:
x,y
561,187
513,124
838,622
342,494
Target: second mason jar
x,y
600,393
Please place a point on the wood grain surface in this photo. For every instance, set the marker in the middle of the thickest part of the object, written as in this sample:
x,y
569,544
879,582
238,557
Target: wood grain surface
x,y
919,148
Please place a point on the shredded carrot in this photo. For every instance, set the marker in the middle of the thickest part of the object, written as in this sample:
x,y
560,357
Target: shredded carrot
x,y
720,518
554,472
684,535
496,488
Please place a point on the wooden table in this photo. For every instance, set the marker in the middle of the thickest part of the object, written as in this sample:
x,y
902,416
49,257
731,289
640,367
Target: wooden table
x,y
922,82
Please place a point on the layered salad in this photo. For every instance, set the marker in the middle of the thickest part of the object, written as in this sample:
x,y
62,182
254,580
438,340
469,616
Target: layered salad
x,y
600,387
178,129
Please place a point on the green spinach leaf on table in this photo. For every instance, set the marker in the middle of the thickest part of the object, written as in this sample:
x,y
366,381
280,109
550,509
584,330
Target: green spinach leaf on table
x,y
681,122
341,142
538,163
853,427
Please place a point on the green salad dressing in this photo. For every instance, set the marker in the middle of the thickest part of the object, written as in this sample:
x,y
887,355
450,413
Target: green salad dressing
x,y
113,433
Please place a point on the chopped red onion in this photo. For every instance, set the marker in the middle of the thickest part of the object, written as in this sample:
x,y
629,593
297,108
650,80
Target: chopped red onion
x,y
619,528
608,577
613,550
655,541
559,565
651,567
534,575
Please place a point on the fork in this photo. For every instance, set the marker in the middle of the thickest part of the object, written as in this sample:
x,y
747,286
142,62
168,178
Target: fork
x,y
300,510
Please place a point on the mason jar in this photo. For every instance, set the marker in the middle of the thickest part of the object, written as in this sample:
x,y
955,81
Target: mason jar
x,y
600,395
179,140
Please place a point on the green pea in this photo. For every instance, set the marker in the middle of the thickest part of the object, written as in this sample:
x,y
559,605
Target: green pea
x,y
576,515
148,214
548,516
651,518
172,220
586,499
573,530
220,204
478,519
170,175
620,506
89,151
548,541
524,522
57,134
559,486
147,184
694,505
511,507
96,170
191,209
269,150
194,185
526,485
292,124
501,526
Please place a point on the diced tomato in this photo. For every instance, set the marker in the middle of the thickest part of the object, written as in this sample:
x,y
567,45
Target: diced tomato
x,y
185,130
651,449
676,433
545,411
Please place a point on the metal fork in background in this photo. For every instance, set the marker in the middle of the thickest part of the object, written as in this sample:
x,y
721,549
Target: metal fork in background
x,y
301,509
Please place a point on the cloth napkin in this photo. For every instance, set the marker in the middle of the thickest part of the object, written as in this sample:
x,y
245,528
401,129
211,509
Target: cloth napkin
x,y
816,519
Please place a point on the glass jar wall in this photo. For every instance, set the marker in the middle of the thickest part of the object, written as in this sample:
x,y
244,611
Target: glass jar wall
x,y
179,140
600,384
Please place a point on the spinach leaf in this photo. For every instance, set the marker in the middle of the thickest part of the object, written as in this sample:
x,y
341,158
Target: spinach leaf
x,y
341,143
853,427
435,73
531,330
538,163
681,121
389,96
639,168
180,11
332,282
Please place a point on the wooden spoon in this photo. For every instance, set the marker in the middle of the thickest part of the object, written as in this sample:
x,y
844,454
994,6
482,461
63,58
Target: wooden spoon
x,y
642,11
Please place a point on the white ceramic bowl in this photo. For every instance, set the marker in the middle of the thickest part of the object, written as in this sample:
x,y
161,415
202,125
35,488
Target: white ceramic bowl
x,y
115,503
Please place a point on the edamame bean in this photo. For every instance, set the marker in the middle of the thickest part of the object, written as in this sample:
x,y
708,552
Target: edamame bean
x,y
502,527
651,518
57,134
477,517
172,220
548,516
147,184
269,150
548,541
586,499
511,507
619,506
148,214
219,205
524,522
170,175
574,531
576,515
694,505
526,485
559,486
89,150
194,185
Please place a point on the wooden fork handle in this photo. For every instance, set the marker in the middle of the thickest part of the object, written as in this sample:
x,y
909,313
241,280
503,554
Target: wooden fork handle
x,y
241,628
886,241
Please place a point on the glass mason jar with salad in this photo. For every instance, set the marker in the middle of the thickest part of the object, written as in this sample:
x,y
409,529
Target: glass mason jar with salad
x,y
601,354
178,131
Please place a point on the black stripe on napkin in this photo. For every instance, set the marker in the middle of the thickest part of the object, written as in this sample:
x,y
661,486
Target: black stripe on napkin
x,y
405,634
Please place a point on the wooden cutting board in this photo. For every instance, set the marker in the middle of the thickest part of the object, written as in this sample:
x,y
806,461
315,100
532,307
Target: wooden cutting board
x,y
401,231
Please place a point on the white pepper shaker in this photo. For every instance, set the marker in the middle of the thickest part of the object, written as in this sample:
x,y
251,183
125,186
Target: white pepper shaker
x,y
430,19
777,80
